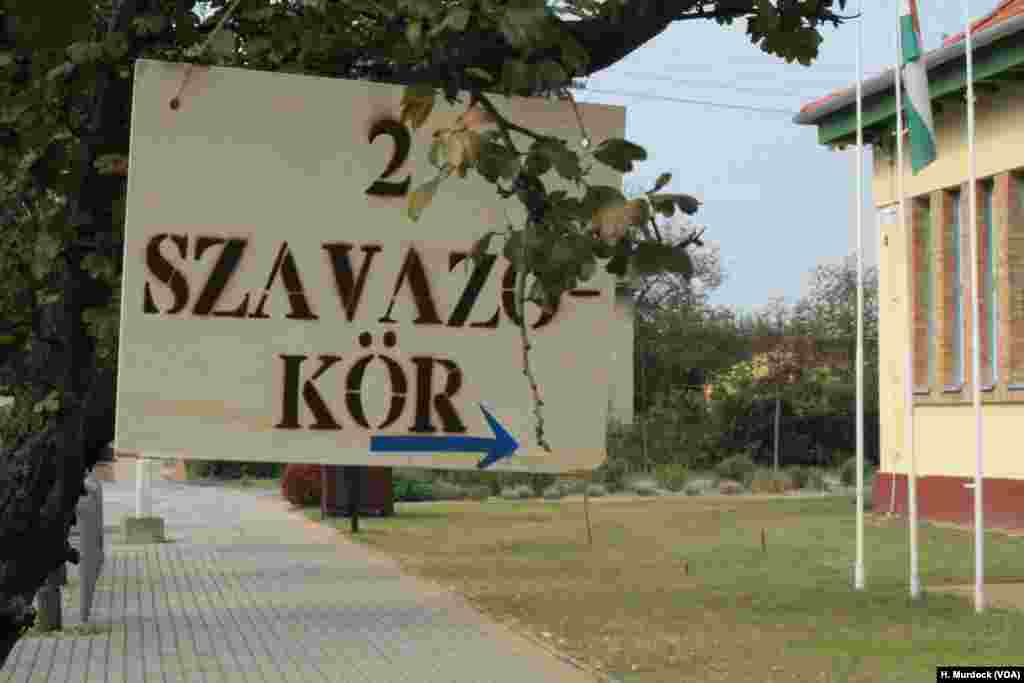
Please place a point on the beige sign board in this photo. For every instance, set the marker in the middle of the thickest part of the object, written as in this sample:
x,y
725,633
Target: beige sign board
x,y
274,311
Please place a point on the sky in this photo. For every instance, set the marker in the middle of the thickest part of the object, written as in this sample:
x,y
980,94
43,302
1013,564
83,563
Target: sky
x,y
776,201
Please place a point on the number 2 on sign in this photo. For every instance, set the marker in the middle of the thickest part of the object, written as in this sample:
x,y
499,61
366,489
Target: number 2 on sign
x,y
403,141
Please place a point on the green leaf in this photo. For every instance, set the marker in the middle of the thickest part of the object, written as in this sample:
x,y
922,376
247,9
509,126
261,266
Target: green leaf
x,y
663,180
61,71
6,59
686,203
421,197
666,207
481,246
457,19
224,43
477,72
417,103
438,155
653,257
515,76
587,269
598,196
83,52
619,154
513,249
414,32
619,263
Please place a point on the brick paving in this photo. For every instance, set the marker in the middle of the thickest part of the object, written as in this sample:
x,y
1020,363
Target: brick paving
x,y
249,590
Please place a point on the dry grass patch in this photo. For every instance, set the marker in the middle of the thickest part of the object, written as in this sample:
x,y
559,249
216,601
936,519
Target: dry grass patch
x,y
680,589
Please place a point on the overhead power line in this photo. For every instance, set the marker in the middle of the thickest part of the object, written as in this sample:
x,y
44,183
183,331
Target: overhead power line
x,y
680,100
762,92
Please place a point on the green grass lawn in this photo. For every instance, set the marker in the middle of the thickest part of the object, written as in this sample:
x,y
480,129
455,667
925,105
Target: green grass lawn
x,y
680,589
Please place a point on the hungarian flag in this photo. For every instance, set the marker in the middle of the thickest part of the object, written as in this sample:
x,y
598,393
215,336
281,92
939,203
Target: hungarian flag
x,y
918,106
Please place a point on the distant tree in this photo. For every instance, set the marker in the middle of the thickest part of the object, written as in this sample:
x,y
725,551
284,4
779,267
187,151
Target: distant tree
x,y
828,313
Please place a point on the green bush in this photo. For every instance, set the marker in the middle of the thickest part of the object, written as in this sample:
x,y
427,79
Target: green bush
x,y
694,489
644,487
737,468
596,490
800,475
554,492
524,491
848,472
411,490
572,487
672,476
197,469
510,493
446,490
815,479
479,492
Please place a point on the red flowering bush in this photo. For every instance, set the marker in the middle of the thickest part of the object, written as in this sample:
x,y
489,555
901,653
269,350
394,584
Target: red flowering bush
x,y
301,484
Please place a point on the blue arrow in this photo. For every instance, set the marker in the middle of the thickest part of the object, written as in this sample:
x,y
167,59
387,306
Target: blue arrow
x,y
501,446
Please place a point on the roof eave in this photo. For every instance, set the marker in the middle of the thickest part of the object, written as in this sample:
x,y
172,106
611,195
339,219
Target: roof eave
x,y
885,81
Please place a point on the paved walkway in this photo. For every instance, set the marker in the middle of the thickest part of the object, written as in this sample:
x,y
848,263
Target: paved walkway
x,y
249,590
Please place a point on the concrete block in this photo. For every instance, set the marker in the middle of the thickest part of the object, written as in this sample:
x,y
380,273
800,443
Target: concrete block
x,y
143,529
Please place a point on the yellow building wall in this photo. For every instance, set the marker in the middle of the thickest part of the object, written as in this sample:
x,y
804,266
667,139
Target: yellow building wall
x,y
944,435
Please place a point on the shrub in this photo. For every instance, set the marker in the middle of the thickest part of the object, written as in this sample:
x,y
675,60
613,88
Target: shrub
x,y
446,490
596,490
815,479
672,476
479,492
524,491
572,487
730,487
693,489
736,468
848,472
301,484
411,490
197,469
554,492
800,475
509,493
644,487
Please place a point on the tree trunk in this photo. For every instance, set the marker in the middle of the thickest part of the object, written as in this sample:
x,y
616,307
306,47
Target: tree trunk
x,y
42,476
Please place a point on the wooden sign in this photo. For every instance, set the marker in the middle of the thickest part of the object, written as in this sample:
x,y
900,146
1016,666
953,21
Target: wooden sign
x,y
278,304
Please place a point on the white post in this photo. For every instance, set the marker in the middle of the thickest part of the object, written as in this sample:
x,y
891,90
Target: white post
x,y
908,419
143,506
979,525
858,570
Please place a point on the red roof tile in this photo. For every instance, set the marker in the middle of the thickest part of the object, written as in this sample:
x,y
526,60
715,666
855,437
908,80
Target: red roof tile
x,y
1006,9
1003,11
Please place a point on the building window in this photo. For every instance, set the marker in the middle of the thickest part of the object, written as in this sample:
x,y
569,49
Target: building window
x,y
989,302
1015,277
923,312
955,294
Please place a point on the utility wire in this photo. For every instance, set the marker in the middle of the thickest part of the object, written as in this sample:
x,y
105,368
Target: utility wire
x,y
679,100
764,92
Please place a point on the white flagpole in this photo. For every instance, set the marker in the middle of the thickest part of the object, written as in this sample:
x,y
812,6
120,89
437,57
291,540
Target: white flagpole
x,y
908,418
858,570
975,289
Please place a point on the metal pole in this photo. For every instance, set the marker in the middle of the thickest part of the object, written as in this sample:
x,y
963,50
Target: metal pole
x,y
979,521
908,420
858,570
143,507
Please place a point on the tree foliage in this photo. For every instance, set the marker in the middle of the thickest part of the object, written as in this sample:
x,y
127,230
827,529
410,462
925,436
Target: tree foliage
x,y
65,104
